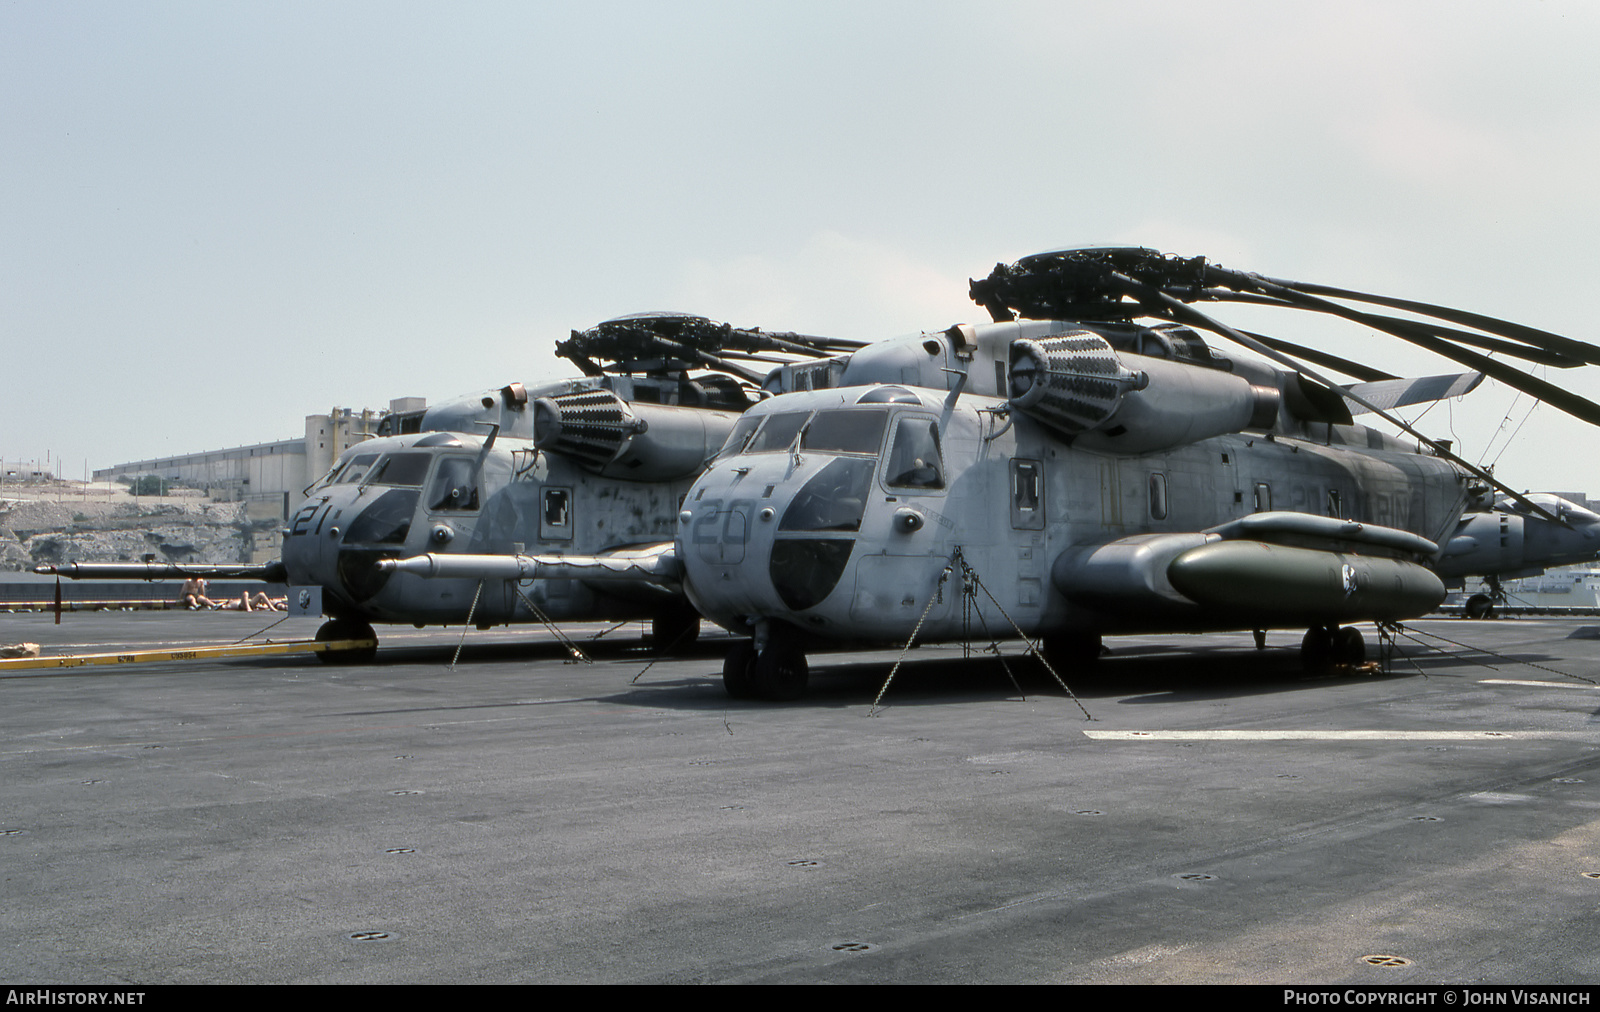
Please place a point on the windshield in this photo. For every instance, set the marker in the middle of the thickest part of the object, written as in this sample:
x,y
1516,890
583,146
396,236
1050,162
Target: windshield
x,y
401,469
838,430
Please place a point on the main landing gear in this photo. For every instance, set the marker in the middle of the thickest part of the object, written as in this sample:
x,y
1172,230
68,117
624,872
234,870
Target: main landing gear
x,y
776,672
1482,605
1326,646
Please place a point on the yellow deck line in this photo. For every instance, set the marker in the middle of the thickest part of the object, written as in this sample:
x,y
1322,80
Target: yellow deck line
x,y
187,654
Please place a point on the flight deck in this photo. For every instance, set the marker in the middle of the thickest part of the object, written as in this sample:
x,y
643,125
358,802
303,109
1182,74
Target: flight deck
x,y
523,818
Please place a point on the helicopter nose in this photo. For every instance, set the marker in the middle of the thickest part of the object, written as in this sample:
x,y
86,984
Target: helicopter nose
x,y
336,545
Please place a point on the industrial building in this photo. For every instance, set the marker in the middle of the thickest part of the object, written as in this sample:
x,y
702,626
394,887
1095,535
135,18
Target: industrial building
x,y
270,476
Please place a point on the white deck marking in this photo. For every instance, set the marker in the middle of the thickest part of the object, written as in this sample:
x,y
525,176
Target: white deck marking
x,y
1331,735
1548,685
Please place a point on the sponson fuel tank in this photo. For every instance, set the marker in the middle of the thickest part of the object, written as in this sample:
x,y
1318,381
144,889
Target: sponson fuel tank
x,y
1271,569
1279,583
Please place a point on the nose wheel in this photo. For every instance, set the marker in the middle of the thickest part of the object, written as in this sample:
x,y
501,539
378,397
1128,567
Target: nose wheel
x,y
778,673
347,629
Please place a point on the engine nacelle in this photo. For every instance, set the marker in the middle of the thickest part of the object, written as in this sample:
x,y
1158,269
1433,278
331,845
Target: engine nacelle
x,y
639,442
1080,386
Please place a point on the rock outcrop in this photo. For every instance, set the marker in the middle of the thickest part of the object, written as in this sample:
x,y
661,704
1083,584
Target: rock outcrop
x,y
126,529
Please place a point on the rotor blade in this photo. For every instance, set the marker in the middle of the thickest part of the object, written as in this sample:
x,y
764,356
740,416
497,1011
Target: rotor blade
x,y
1181,311
1388,323
1146,293
1324,359
810,343
1573,404
1517,332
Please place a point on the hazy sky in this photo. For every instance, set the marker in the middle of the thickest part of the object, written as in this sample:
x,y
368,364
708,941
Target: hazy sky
x,y
221,217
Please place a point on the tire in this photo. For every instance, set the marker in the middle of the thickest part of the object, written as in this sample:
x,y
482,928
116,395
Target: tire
x,y
1479,606
1349,646
780,672
1316,650
347,629
736,670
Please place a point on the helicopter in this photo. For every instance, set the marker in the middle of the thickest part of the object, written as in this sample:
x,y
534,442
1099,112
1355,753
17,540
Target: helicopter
x,y
1090,464
595,465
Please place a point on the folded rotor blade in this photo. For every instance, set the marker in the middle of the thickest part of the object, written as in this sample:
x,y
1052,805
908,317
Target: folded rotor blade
x,y
1565,400
1389,324
1580,350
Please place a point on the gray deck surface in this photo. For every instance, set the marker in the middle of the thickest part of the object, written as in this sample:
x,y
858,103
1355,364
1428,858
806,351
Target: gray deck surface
x,y
525,820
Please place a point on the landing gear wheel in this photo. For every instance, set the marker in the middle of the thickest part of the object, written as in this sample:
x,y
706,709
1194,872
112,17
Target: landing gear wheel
x,y
780,672
1349,647
347,629
736,669
1316,650
674,629
1479,606
1071,651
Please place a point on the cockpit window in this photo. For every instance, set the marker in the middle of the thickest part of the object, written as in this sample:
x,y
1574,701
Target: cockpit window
x,y
914,459
401,469
839,430
848,430
357,469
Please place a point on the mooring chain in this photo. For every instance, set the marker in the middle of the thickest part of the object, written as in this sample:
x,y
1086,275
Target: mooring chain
x,y
566,641
938,590
661,652
1509,660
470,611
968,580
1032,646
258,632
1388,633
607,632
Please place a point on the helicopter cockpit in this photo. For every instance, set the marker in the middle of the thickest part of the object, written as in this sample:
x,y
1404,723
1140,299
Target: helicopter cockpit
x,y
801,485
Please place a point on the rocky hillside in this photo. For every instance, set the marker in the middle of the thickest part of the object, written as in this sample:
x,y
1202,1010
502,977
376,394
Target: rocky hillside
x,y
52,522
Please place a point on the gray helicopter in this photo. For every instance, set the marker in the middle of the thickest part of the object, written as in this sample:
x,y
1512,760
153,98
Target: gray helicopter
x,y
1079,472
594,466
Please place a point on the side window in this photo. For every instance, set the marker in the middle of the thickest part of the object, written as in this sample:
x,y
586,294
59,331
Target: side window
x,y
1263,497
1027,495
1158,496
452,486
914,460
1335,507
